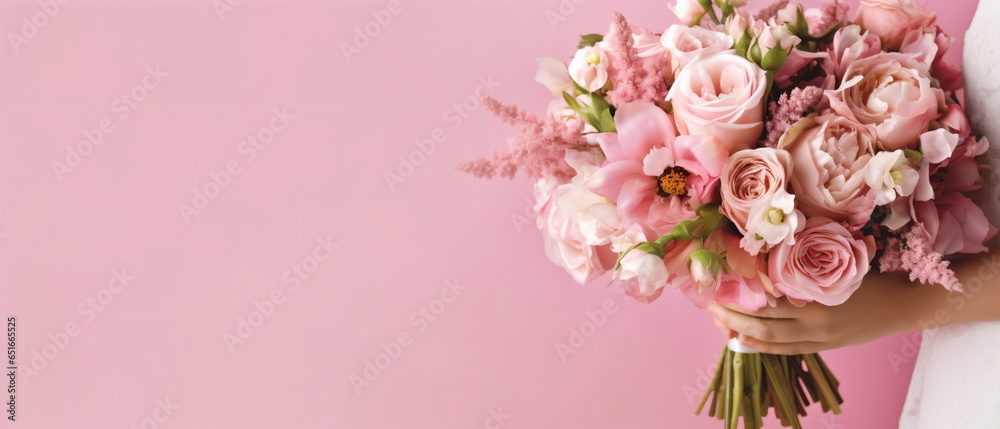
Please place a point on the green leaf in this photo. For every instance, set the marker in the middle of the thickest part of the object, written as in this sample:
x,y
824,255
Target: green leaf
x,y
915,155
589,40
774,59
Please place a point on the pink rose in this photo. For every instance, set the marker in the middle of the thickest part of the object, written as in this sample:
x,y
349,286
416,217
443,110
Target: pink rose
x,y
830,154
892,19
721,96
750,176
826,264
565,244
687,43
893,92
850,44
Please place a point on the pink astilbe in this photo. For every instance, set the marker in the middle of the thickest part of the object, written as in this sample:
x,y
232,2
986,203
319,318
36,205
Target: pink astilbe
x,y
832,13
771,10
538,149
788,110
892,256
636,79
915,254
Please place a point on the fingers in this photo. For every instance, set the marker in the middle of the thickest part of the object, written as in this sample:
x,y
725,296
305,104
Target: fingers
x,y
781,310
767,330
796,348
726,332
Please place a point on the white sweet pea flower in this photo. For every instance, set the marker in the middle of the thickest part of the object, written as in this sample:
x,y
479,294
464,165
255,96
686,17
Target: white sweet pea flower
x,y
554,74
772,221
589,68
689,11
890,174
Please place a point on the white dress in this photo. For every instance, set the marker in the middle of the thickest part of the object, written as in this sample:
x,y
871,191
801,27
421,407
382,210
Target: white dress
x,y
956,381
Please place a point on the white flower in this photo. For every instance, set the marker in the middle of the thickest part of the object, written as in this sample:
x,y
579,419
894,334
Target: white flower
x,y
772,221
589,68
889,174
623,240
595,216
554,74
643,272
689,11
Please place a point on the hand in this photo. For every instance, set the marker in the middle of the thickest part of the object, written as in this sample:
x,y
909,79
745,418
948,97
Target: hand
x,y
883,305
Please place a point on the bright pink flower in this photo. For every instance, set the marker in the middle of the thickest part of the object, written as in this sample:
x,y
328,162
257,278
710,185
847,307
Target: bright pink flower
x,y
657,178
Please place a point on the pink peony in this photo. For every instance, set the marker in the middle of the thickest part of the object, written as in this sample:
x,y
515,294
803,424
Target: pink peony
x,y
955,224
851,43
750,176
891,20
565,245
893,92
656,178
830,154
721,96
826,264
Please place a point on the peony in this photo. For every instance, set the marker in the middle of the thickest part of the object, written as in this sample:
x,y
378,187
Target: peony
x,y
688,43
656,178
893,92
595,216
642,274
830,154
927,45
891,20
749,176
554,74
850,44
721,96
955,223
565,245
826,264
589,68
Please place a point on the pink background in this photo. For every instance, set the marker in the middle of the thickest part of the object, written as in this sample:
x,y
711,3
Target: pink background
x,y
155,354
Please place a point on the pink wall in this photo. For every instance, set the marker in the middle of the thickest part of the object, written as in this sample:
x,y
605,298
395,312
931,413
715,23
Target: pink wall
x,y
153,350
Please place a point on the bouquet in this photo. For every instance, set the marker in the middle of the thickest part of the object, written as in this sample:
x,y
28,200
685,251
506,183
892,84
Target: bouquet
x,y
747,158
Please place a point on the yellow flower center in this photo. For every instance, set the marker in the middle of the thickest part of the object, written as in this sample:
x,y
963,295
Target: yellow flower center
x,y
776,216
673,181
594,58
896,177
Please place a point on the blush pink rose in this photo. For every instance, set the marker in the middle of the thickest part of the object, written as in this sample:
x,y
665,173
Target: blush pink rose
x,y
893,92
721,96
891,20
825,265
829,154
750,176
687,43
